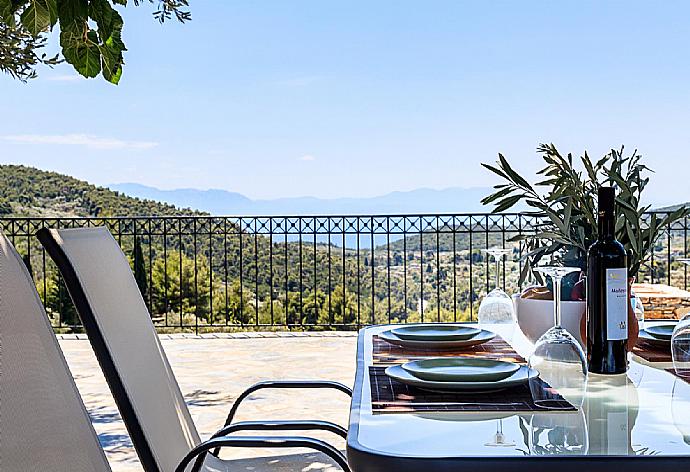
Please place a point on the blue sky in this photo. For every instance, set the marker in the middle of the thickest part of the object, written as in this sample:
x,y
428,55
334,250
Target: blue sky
x,y
359,98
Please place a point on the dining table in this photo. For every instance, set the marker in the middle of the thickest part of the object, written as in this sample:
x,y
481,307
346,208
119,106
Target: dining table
x,y
638,421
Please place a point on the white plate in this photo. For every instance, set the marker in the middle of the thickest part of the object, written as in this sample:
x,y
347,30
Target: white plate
x,y
396,372
480,338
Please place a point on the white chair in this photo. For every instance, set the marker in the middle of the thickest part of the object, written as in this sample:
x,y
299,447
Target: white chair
x,y
43,423
119,326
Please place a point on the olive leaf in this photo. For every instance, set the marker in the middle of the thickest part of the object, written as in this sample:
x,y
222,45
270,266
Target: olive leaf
x,y
565,201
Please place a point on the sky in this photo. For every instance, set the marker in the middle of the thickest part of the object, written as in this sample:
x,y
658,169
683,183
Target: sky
x,y
277,98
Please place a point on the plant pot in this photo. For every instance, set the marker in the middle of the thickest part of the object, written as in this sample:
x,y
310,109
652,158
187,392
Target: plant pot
x,y
535,317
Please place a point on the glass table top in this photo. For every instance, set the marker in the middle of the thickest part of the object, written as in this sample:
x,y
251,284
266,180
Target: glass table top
x,y
644,412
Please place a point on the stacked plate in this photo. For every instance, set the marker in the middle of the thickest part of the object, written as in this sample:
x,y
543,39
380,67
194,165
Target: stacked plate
x,y
658,335
437,336
458,374
471,374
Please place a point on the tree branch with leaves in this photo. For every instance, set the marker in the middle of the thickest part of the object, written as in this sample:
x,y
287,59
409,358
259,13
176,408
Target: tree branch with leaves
x,y
90,34
565,204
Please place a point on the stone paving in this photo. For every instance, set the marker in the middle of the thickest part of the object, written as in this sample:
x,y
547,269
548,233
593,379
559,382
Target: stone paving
x,y
213,370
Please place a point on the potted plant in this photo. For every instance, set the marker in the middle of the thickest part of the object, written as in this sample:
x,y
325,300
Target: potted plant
x,y
564,200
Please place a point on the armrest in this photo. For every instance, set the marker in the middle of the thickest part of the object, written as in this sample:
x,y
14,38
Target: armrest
x,y
276,384
283,425
200,451
279,384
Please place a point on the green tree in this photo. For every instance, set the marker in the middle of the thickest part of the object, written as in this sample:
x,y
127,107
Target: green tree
x,y
176,289
312,305
343,308
27,263
139,268
5,207
240,307
57,301
90,34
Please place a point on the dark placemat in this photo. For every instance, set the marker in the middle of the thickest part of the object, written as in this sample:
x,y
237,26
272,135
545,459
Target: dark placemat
x,y
391,396
385,353
652,352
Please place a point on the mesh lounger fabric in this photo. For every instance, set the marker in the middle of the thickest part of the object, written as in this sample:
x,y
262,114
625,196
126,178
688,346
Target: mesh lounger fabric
x,y
43,423
123,320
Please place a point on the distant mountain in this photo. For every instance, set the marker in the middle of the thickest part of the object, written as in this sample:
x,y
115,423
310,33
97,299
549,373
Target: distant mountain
x,y
26,191
211,201
222,202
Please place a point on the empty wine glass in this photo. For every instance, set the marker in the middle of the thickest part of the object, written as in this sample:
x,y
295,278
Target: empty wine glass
x,y
558,434
680,404
496,311
638,308
680,347
635,300
558,357
680,342
499,439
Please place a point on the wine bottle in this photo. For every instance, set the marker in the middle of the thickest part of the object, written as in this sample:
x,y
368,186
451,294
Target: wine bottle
x,y
607,294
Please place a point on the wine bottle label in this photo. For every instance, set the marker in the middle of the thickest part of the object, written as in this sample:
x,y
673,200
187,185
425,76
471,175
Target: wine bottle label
x,y
616,304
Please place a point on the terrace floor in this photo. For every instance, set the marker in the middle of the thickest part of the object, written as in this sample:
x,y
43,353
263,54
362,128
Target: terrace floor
x,y
213,370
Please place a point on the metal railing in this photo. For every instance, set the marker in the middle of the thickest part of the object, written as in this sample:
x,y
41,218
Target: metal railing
x,y
206,273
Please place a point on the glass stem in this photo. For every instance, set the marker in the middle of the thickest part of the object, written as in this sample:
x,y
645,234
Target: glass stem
x,y
557,301
498,271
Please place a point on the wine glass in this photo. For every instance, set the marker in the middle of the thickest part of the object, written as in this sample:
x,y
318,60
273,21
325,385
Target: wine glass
x,y
680,403
638,308
558,434
499,439
636,301
680,342
496,311
558,357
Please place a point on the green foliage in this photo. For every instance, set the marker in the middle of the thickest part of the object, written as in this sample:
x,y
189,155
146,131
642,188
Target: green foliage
x,y
20,52
27,263
57,301
240,306
343,308
312,304
568,205
5,207
35,192
90,34
140,274
182,292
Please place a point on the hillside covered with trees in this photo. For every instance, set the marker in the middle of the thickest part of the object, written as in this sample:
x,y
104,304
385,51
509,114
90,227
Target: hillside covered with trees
x,y
30,192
